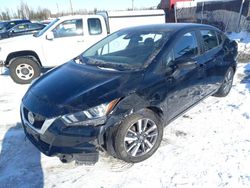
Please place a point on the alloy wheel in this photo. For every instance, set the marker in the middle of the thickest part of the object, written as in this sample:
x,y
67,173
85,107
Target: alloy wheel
x,y
228,81
141,137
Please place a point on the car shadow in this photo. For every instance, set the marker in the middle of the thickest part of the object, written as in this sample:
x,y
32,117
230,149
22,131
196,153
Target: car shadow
x,y
246,78
20,161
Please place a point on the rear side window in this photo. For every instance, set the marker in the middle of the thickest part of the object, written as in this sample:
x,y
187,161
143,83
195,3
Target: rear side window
x,y
95,26
186,46
209,39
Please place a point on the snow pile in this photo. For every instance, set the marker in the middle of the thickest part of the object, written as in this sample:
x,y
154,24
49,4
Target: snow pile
x,y
243,40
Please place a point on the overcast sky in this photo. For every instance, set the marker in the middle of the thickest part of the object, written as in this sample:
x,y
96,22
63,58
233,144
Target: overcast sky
x,y
64,5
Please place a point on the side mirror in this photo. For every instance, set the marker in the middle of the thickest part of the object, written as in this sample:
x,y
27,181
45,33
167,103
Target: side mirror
x,y
50,35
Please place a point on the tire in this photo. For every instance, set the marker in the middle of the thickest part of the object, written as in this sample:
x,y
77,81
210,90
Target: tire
x,y
138,136
226,84
23,70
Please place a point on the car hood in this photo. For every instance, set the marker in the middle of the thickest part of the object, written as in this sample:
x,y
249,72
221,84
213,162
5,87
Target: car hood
x,y
74,87
17,39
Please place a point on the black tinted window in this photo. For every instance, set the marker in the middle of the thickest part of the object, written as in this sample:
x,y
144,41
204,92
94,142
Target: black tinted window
x,y
210,39
186,46
95,26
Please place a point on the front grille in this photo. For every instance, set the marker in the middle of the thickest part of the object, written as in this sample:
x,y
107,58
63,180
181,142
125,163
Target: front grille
x,y
39,120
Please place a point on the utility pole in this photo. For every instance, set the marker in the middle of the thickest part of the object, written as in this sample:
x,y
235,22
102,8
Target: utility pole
x,y
132,4
71,7
239,18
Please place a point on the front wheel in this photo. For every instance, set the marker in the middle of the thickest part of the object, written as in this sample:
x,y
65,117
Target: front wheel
x,y
226,85
138,136
23,70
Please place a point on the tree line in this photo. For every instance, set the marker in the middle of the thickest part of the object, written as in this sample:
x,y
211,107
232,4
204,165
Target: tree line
x,y
23,11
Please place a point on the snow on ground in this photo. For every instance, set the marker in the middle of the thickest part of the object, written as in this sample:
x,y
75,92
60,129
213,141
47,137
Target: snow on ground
x,y
208,147
243,40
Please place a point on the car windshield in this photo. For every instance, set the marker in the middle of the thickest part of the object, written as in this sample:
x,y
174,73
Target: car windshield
x,y
38,34
126,49
3,26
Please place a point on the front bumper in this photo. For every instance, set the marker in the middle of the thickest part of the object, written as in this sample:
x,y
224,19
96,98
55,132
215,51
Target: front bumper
x,y
54,138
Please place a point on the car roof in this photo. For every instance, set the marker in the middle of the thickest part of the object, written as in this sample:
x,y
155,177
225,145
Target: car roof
x,y
176,27
8,21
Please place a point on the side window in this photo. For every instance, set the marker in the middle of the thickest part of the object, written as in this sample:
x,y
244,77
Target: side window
x,y
10,25
186,46
20,27
35,26
209,39
69,28
95,26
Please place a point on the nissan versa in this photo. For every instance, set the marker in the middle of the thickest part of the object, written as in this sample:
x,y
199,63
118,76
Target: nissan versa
x,y
119,94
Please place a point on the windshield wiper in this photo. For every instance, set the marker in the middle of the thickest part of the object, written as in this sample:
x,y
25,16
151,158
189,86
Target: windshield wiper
x,y
108,64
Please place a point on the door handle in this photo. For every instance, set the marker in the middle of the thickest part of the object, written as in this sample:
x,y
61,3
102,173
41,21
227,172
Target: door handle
x,y
80,41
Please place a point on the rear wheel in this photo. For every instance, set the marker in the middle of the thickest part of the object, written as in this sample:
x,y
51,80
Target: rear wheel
x,y
23,70
226,85
138,136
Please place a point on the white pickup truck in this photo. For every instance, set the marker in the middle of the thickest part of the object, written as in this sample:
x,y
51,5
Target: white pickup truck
x,y
65,38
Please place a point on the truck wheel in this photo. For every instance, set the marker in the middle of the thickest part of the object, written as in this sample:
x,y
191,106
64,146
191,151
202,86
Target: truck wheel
x,y
138,136
23,70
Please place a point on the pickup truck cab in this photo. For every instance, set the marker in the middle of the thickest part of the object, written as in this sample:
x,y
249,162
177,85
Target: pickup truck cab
x,y
61,40
64,39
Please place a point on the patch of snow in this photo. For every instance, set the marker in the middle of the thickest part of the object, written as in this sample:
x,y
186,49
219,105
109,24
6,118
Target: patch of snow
x,y
242,38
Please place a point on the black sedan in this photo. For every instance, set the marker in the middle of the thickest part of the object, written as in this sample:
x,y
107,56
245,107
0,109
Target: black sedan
x,y
22,29
120,93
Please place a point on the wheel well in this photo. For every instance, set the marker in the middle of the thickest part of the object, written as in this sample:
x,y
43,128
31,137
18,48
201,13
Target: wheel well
x,y
30,54
156,110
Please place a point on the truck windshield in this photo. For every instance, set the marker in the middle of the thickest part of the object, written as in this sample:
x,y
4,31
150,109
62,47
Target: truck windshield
x,y
126,49
38,34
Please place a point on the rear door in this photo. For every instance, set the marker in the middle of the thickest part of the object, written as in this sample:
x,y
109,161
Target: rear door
x,y
213,54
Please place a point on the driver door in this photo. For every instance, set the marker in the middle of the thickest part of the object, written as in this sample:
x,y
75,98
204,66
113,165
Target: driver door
x,y
66,44
184,82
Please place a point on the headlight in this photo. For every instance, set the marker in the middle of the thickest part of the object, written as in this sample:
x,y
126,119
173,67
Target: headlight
x,y
91,116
